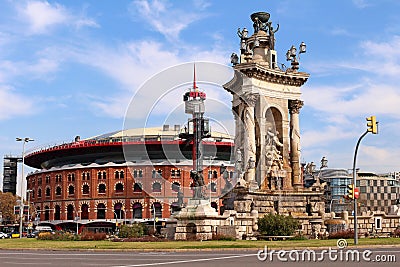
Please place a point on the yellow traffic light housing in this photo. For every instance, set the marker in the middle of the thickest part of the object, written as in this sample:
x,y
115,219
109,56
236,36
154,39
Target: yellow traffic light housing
x,y
372,125
350,191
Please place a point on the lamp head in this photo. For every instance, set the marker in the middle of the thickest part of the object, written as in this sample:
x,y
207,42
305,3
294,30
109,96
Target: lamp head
x,y
302,47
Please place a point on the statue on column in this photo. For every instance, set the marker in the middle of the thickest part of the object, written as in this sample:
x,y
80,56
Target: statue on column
x,y
272,35
243,35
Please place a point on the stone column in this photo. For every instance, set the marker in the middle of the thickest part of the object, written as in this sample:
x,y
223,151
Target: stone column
x,y
249,139
294,108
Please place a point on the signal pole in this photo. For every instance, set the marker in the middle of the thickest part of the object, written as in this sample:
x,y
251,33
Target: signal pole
x,y
372,128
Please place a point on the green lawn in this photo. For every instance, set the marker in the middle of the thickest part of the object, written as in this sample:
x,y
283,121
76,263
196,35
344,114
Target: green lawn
x,y
176,245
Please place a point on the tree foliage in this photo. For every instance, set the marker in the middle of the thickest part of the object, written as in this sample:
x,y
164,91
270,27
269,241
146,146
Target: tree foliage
x,y
277,225
7,203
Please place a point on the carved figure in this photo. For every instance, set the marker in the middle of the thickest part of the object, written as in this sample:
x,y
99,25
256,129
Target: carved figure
x,y
243,35
198,183
272,144
234,59
272,35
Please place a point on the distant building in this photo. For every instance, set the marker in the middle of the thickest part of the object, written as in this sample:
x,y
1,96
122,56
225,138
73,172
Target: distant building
x,y
378,192
10,167
337,181
91,183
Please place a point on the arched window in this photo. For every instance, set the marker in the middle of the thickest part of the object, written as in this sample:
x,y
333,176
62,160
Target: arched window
x,y
39,192
58,191
71,190
48,192
101,211
70,212
84,212
121,175
156,187
119,213
175,186
157,206
85,189
102,188
57,213
116,175
137,188
119,188
137,211
46,213
215,174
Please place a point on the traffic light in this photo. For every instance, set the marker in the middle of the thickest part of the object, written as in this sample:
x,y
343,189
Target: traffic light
x,y
350,191
372,125
17,210
26,210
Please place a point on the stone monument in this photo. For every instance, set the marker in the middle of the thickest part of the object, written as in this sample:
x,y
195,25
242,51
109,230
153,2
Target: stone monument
x,y
266,105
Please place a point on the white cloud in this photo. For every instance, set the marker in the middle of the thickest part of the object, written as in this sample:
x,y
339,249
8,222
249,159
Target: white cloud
x,y
43,16
13,104
164,18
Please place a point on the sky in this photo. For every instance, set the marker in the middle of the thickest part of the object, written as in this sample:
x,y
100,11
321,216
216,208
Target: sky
x,y
71,68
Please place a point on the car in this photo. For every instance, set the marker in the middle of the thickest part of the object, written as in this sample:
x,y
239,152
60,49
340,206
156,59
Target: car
x,y
4,235
15,235
33,234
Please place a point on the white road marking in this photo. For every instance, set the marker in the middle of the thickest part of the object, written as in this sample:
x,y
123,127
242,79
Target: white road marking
x,y
187,261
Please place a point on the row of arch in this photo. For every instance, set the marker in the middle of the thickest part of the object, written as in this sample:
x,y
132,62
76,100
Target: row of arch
x,y
119,188
101,210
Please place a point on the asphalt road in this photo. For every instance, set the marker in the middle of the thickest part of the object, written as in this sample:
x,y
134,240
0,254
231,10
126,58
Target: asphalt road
x,y
196,258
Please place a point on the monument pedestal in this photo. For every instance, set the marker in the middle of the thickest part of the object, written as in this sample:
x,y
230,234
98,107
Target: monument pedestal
x,y
197,221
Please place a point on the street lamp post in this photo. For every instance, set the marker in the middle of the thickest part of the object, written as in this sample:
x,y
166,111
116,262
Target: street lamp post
x,y
29,206
23,140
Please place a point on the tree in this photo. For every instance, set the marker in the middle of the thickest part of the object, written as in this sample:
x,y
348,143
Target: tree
x,y
7,203
277,225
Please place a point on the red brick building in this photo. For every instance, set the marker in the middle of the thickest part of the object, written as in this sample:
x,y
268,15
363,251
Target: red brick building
x,y
122,177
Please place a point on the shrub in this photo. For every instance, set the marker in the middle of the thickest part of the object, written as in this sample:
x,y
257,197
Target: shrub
x,y
342,234
277,225
133,230
57,236
140,239
91,236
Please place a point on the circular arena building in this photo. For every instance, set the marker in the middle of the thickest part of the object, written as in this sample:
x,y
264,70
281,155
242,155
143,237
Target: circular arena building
x,y
124,177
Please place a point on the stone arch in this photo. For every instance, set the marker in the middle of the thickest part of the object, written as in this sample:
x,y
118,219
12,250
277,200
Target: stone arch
x,y
137,187
158,209
101,210
101,188
58,190
119,211
57,212
137,210
70,212
119,187
84,211
46,213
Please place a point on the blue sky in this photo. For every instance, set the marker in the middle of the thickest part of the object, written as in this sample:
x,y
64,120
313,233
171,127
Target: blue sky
x,y
70,68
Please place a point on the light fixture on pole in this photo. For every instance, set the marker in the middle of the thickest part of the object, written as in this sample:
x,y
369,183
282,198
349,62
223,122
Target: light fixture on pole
x,y
292,55
23,140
